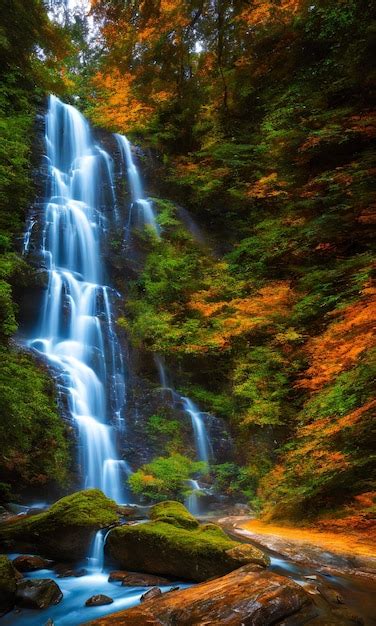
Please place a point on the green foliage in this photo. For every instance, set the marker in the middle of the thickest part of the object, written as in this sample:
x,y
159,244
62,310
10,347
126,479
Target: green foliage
x,y
261,384
350,390
165,477
160,429
33,442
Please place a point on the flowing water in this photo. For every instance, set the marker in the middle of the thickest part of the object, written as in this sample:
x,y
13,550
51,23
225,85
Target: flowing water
x,y
71,611
193,500
141,212
76,332
197,417
200,433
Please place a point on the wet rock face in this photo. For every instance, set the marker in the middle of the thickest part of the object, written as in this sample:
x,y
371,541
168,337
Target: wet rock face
x,y
29,563
38,593
145,398
99,600
253,598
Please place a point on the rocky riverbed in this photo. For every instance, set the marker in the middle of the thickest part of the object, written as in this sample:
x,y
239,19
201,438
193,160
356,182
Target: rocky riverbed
x,y
149,571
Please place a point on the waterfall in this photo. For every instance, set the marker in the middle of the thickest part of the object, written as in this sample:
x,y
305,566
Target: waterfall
x,y
200,434
76,332
199,429
96,557
145,213
192,501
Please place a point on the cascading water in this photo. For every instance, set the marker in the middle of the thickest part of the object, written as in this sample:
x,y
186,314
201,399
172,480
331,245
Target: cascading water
x,y
192,501
200,433
76,332
199,430
145,214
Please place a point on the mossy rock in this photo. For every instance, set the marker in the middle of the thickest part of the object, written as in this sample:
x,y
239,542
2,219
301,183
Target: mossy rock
x,y
174,513
169,549
66,530
8,584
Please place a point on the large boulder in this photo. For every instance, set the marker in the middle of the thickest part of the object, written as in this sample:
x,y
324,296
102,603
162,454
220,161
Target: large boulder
x,y
38,593
8,584
245,596
30,563
65,531
174,544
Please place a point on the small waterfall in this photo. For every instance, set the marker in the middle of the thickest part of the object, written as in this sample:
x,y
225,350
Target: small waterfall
x,y
76,332
96,557
145,213
26,239
200,434
162,374
192,501
199,429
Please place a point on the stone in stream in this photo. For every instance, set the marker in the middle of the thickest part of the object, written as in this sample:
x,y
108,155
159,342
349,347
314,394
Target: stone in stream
x,y
38,593
174,544
245,596
99,600
8,584
134,579
154,592
64,532
30,563
65,571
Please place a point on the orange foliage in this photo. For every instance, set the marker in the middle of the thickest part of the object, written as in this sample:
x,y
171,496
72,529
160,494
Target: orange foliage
x,y
266,187
329,427
241,315
261,12
368,215
116,107
338,348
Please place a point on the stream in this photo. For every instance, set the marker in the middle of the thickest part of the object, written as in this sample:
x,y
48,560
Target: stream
x,y
358,593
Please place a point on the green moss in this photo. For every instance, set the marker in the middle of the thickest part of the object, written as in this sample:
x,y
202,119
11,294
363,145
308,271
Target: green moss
x,y
174,513
7,575
89,509
192,541
195,553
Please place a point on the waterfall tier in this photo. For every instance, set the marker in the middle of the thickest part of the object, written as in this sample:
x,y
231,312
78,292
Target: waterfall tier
x,y
76,332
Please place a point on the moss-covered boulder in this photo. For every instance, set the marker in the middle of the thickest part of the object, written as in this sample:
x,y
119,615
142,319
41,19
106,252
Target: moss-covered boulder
x,y
8,584
65,531
174,544
173,513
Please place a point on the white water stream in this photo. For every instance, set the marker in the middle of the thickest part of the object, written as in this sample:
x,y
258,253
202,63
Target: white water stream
x,y
142,206
76,332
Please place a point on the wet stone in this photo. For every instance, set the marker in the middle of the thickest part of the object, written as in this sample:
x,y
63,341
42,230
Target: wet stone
x,y
154,592
133,579
98,600
30,563
38,593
